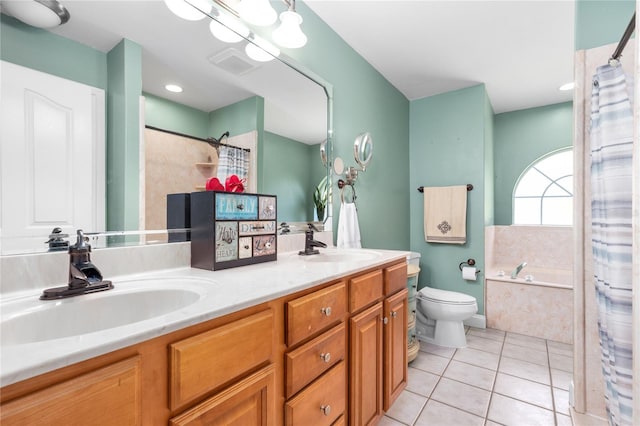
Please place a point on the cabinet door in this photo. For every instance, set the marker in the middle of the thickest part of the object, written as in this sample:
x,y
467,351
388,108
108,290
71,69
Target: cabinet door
x,y
365,375
106,396
250,402
395,346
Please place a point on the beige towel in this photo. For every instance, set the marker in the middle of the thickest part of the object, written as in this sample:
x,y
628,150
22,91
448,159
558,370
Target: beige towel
x,y
445,214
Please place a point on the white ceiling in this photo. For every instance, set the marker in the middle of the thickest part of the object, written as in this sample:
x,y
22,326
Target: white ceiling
x,y
521,50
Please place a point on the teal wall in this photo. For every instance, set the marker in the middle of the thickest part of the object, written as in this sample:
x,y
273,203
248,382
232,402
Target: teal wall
x,y
521,137
287,173
448,147
168,115
43,51
600,22
238,118
124,64
364,101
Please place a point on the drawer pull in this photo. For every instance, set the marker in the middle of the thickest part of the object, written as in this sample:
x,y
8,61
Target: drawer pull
x,y
326,409
394,314
326,311
326,357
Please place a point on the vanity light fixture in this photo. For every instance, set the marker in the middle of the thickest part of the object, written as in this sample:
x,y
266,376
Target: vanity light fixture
x,y
289,34
261,50
228,29
567,86
173,88
37,13
192,10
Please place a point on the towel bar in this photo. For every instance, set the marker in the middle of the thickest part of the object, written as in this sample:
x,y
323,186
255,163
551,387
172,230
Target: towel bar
x,y
469,187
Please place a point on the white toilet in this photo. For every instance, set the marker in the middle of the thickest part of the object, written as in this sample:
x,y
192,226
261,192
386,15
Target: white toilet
x,y
440,314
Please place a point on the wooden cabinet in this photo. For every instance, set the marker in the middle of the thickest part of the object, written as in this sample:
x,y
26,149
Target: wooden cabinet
x,y
365,370
251,401
395,347
110,394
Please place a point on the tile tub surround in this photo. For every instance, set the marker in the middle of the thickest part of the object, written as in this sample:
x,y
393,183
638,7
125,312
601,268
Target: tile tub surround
x,y
226,291
487,383
544,307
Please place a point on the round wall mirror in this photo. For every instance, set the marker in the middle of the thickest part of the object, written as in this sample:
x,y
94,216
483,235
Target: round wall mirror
x,y
338,166
363,149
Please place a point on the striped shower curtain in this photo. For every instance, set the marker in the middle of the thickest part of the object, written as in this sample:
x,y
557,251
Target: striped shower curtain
x,y
232,161
611,182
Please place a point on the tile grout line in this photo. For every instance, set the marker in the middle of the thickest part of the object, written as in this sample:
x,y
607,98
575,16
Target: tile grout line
x,y
495,379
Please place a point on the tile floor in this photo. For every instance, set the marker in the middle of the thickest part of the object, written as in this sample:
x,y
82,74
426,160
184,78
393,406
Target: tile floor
x,y
498,379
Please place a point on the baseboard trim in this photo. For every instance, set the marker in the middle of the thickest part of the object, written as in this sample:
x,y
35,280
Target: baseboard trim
x,y
477,321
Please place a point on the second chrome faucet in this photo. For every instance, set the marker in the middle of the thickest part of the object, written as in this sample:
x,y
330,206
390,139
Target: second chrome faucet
x,y
516,271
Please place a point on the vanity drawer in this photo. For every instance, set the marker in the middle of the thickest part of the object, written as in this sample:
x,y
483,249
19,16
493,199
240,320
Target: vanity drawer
x,y
309,361
364,290
208,360
395,278
309,314
321,403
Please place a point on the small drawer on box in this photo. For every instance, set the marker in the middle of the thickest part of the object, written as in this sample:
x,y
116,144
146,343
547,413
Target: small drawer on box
x,y
364,290
314,312
322,403
309,361
395,278
267,208
232,206
211,359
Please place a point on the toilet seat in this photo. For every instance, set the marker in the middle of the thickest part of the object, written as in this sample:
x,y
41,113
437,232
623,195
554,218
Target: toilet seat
x,y
446,297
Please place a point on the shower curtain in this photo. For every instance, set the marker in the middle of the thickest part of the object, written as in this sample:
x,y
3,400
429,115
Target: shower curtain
x,y
611,185
232,161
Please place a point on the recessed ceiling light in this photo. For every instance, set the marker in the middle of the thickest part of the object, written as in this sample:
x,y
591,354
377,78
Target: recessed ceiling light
x,y
567,86
173,88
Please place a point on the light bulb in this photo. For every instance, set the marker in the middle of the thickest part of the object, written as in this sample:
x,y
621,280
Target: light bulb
x,y
289,34
257,12
262,51
228,30
194,10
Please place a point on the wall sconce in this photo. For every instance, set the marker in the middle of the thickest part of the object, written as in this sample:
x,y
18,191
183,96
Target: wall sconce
x,y
37,13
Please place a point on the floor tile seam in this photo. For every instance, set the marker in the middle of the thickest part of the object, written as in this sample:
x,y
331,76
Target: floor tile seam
x,y
524,378
495,378
398,421
484,417
553,397
473,365
424,404
525,401
526,347
530,362
469,384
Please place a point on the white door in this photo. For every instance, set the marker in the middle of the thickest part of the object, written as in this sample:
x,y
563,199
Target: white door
x,y
52,157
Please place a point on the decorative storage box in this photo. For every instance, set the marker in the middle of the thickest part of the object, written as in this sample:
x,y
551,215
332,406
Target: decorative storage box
x,y
232,229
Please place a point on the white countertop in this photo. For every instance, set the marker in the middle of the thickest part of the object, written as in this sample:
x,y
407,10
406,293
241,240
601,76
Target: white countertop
x,y
220,293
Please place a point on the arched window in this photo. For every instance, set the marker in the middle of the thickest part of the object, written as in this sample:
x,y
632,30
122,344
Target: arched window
x,y
544,193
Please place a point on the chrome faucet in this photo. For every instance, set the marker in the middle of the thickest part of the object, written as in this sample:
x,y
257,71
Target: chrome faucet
x,y
84,277
516,271
310,243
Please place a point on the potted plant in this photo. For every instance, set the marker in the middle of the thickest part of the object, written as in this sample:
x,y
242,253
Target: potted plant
x,y
321,197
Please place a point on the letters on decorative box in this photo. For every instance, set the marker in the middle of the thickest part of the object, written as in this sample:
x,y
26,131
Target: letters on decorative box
x,y
232,229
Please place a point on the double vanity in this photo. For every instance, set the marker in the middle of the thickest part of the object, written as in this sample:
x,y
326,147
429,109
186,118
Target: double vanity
x,y
303,340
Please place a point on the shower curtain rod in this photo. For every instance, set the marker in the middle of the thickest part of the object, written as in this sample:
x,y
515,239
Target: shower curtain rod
x,y
625,38
195,137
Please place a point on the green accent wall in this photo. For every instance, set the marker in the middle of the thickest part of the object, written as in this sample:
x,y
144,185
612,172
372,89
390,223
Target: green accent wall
x,y
47,52
600,22
364,101
124,63
448,147
522,137
287,165
169,115
238,118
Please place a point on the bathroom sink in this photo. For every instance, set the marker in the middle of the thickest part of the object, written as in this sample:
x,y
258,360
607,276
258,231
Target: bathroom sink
x,y
31,320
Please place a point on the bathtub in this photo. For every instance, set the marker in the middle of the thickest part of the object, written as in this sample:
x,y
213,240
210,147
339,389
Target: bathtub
x,y
541,307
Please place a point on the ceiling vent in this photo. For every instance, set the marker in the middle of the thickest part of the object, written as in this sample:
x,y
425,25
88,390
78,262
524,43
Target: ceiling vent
x,y
233,61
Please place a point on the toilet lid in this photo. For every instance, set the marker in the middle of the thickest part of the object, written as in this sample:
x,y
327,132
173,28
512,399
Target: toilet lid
x,y
445,296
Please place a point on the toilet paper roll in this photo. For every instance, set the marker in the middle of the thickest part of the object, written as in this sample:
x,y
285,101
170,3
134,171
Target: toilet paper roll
x,y
469,273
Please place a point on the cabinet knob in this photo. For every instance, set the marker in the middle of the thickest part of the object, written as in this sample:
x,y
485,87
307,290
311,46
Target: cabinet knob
x,y
326,357
326,409
326,311
385,320
394,314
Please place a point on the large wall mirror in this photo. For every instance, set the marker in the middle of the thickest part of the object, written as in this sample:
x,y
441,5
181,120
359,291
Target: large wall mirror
x,y
285,107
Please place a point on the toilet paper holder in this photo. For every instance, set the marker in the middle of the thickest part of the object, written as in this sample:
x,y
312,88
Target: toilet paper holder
x,y
469,262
